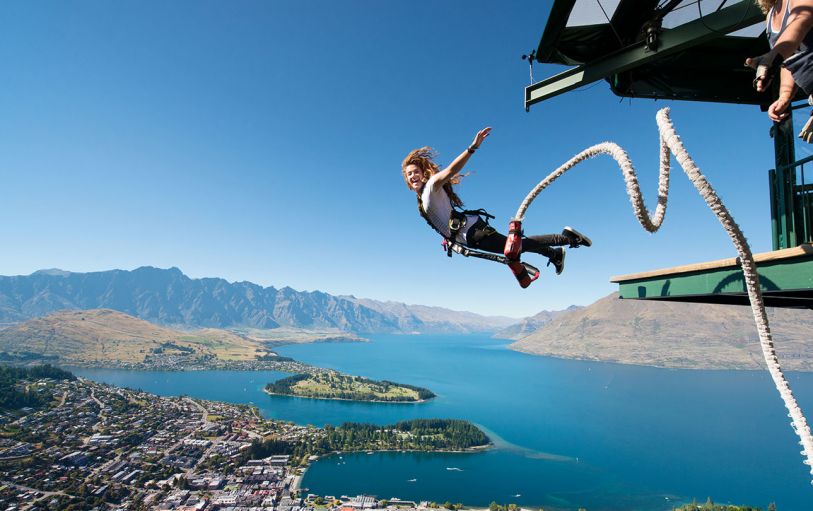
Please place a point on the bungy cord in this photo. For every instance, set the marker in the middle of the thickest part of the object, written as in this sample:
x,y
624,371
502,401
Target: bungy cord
x,y
670,141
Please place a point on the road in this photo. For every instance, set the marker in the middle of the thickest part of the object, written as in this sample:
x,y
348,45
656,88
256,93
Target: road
x,y
45,494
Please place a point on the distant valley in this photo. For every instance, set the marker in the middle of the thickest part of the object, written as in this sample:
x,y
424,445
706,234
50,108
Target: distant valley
x,y
531,324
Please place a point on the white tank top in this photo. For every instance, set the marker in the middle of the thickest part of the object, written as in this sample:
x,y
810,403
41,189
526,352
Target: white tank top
x,y
438,207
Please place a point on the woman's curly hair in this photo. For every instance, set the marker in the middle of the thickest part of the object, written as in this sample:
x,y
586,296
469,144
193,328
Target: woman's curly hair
x,y
424,159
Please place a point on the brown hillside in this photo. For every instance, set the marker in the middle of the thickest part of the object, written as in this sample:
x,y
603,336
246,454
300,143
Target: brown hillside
x,y
107,335
672,334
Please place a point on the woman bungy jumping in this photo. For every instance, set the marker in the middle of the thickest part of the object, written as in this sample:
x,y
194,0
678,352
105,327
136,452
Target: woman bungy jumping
x,y
440,206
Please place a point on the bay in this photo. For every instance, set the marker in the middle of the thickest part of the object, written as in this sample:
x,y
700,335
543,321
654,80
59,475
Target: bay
x,y
568,434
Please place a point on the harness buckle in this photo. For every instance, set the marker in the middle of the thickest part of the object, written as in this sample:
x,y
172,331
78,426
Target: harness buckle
x,y
447,247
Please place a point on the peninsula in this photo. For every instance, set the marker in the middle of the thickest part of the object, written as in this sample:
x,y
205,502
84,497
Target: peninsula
x,y
70,443
334,385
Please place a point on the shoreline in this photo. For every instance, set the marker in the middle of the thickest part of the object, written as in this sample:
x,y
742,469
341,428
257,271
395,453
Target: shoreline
x,y
467,450
419,401
299,478
655,365
296,484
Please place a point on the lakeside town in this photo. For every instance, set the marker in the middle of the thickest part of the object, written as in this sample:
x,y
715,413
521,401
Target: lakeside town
x,y
96,446
182,362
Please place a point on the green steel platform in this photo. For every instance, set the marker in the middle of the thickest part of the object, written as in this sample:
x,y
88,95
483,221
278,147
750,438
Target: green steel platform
x,y
657,49
786,279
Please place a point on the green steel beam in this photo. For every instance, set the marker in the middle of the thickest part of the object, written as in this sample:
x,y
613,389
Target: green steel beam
x,y
773,192
671,41
783,221
789,279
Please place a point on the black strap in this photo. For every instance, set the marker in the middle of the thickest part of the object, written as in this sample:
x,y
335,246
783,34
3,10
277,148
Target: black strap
x,y
480,212
457,220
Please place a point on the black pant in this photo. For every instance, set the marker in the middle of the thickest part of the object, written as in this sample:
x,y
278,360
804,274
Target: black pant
x,y
482,236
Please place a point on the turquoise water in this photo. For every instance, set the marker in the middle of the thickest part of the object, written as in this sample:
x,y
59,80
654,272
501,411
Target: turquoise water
x,y
569,434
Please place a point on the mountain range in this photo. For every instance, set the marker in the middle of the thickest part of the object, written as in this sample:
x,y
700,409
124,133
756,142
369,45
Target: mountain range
x,y
168,297
666,334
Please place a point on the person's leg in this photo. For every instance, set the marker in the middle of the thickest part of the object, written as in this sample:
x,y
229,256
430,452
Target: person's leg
x,y
569,236
482,236
541,244
553,240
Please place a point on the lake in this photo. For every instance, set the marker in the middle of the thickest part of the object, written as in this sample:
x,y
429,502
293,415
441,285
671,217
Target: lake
x,y
568,434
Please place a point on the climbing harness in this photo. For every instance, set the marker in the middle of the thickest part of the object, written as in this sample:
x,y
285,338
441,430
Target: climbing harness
x,y
670,142
525,273
457,221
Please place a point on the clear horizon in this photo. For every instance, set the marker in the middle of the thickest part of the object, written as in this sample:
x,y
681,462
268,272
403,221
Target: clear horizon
x,y
258,141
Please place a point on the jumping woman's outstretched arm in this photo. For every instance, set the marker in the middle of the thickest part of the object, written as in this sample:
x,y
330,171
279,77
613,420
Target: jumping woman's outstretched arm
x,y
457,165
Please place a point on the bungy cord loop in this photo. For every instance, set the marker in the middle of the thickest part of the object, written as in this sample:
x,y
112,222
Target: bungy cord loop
x,y
670,141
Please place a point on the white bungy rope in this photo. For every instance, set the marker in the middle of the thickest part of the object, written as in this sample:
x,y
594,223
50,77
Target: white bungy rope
x,y
669,141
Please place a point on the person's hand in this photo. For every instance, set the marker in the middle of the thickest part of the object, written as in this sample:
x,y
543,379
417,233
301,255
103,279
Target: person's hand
x,y
778,110
766,67
807,131
481,135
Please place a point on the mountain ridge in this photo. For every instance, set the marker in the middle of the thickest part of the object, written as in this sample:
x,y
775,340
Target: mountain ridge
x,y
527,326
672,334
171,298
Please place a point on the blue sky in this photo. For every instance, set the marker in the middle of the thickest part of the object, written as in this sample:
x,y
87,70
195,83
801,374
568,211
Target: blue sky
x,y
262,141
